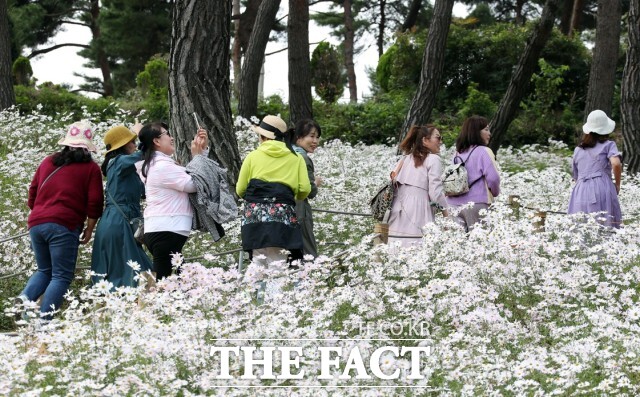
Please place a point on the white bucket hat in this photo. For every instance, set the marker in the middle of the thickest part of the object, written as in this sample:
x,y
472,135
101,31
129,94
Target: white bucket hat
x,y
79,134
599,123
270,125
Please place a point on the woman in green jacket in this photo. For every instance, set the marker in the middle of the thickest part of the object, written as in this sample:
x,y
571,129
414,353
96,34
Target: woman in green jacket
x,y
271,178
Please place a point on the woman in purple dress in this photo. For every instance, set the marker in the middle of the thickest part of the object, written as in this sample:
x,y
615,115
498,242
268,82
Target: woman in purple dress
x,y
419,178
480,162
593,160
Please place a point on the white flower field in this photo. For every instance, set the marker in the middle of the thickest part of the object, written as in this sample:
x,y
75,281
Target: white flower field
x,y
508,309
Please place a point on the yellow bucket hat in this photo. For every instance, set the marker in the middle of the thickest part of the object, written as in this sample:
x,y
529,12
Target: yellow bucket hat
x,y
117,137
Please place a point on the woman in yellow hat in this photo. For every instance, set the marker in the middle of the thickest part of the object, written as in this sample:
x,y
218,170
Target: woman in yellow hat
x,y
114,248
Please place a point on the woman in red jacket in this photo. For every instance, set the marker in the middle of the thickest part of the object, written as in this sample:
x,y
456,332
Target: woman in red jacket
x,y
66,191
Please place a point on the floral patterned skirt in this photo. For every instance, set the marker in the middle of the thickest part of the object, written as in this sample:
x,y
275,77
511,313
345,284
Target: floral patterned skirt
x,y
270,225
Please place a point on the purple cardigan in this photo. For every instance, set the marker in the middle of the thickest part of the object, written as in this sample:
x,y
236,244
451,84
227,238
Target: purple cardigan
x,y
481,166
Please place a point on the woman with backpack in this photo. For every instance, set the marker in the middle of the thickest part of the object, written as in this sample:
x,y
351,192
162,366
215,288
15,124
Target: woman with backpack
x,y
482,170
418,175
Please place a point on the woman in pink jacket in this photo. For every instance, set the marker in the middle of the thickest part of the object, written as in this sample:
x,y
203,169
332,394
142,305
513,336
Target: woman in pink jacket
x,y
418,175
168,214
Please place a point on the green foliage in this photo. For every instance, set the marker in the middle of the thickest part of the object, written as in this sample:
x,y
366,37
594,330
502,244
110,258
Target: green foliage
x,y
52,99
153,88
22,71
374,121
35,22
399,68
273,105
477,103
132,32
545,114
479,60
327,72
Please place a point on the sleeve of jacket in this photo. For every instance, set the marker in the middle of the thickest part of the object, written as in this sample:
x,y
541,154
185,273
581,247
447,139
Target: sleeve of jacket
x,y
312,177
304,186
436,190
127,163
491,172
95,198
243,177
33,188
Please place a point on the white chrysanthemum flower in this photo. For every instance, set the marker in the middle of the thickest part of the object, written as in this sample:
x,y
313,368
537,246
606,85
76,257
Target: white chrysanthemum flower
x,y
134,265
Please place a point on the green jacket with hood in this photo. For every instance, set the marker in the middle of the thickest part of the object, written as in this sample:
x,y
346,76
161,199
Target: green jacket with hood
x,y
272,161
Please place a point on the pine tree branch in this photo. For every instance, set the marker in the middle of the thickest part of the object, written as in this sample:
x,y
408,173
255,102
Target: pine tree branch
x,y
55,47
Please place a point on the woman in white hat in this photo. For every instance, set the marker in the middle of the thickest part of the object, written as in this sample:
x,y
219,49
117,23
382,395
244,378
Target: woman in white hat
x,y
271,179
114,244
593,162
65,191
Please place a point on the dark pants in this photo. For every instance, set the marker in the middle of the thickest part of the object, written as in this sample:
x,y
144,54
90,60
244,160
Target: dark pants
x,y
162,245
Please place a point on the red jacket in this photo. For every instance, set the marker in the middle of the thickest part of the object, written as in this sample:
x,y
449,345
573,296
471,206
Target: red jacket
x,y
70,196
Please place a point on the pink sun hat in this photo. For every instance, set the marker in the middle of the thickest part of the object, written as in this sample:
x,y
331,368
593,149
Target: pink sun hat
x,y
80,135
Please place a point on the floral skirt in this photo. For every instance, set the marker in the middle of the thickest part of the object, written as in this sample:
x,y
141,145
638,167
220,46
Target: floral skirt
x,y
270,225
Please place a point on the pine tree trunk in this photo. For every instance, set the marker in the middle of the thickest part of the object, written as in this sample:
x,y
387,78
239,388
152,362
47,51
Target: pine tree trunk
x,y
236,54
576,16
250,74
630,95
382,26
602,77
243,26
565,19
349,41
432,67
102,61
519,84
199,80
7,95
412,17
300,104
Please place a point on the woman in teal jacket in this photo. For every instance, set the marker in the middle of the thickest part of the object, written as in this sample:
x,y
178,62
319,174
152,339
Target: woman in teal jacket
x,y
114,245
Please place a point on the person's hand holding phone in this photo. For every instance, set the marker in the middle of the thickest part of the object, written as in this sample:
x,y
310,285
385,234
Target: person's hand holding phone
x,y
200,142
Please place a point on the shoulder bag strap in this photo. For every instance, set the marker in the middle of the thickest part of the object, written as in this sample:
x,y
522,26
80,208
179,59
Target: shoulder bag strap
x,y
50,175
481,176
118,207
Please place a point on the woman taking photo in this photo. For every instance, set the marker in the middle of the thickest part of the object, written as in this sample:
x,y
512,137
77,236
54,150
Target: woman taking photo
x,y
114,244
65,191
168,216
593,161
483,176
419,178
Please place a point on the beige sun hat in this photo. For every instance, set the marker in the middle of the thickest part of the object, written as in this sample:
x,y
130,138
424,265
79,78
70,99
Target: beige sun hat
x,y
117,137
80,135
269,126
599,123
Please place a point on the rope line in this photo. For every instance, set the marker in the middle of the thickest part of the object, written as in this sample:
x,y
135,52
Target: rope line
x,y
14,237
341,212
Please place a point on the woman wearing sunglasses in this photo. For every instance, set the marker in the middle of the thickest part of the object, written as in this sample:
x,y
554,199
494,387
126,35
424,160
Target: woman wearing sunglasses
x,y
168,216
418,175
